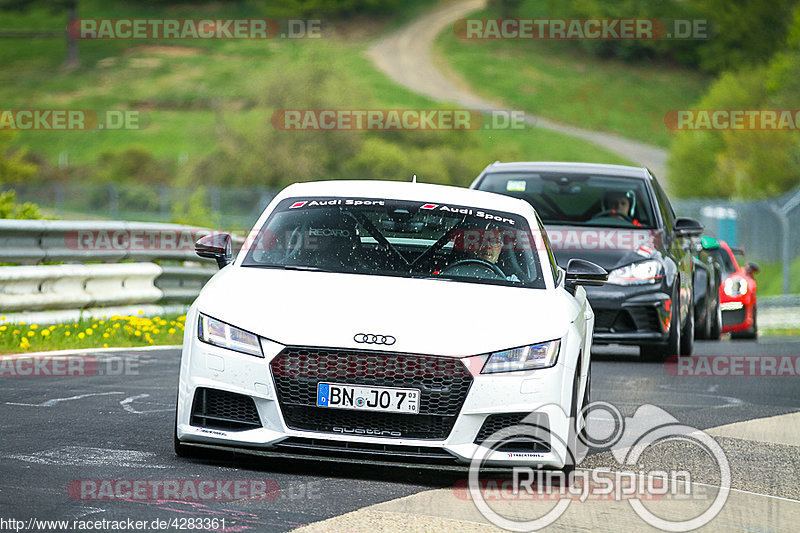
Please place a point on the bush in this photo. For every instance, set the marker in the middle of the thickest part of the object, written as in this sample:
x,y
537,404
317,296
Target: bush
x,y
9,208
740,163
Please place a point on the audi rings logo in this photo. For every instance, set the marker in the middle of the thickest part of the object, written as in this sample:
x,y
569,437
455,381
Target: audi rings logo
x,y
368,338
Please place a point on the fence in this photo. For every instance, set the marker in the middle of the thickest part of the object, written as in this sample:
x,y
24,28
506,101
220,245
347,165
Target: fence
x,y
229,207
135,268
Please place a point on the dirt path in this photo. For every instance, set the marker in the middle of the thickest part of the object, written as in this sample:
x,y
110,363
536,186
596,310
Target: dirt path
x,y
406,56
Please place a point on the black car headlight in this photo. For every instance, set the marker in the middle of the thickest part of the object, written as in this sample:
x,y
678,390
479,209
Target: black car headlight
x,y
637,273
218,333
543,355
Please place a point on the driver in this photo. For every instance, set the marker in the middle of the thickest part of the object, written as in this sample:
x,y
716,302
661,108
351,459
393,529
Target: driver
x,y
621,204
484,244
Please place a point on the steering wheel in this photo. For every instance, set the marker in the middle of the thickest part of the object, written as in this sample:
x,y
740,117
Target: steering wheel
x,y
612,213
476,262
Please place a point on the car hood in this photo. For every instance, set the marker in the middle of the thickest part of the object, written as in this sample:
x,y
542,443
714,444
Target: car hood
x,y
426,316
608,247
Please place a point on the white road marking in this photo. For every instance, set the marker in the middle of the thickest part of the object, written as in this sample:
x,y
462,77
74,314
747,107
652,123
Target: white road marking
x,y
126,404
54,401
88,456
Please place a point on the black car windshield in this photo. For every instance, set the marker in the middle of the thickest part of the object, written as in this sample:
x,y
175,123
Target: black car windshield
x,y
398,238
578,199
725,260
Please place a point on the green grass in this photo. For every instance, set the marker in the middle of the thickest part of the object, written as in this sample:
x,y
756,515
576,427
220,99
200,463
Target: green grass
x,y
568,85
192,94
118,331
770,278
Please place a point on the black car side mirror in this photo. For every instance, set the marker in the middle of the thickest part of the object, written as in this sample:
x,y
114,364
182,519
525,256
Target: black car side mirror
x,y
217,246
752,268
688,227
582,272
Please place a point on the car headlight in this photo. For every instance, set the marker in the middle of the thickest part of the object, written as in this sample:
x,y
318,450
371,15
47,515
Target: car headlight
x,y
542,355
735,286
218,333
636,273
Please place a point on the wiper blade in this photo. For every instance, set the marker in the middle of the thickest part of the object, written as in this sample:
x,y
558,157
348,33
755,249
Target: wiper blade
x,y
304,268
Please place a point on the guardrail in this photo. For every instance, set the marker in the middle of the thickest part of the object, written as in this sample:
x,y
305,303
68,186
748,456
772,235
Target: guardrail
x,y
122,275
779,312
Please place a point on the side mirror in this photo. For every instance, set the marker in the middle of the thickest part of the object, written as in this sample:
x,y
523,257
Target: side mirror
x,y
688,227
217,246
709,243
582,272
752,268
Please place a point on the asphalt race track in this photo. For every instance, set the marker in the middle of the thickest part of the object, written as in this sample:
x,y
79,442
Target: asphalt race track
x,y
117,425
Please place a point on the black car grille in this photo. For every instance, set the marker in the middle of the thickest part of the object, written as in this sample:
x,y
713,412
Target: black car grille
x,y
218,409
443,383
626,320
535,438
734,317
646,318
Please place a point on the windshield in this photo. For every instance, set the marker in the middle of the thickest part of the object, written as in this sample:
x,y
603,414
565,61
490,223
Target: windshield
x,y
724,259
578,199
398,238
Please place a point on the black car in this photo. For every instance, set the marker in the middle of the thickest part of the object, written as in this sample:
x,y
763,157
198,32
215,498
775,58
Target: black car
x,y
619,218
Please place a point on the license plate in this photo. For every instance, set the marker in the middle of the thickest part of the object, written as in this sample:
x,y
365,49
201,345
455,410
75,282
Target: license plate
x,y
365,398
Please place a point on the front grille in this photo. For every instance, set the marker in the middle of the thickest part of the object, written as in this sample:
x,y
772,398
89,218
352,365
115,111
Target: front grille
x,y
218,409
535,437
604,319
390,452
443,383
626,320
646,318
732,318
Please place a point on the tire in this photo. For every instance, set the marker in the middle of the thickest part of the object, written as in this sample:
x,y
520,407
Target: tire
x,y
716,324
575,438
751,333
655,353
687,336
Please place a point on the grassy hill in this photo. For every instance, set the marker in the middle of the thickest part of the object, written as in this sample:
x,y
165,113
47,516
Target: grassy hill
x,y
206,105
561,82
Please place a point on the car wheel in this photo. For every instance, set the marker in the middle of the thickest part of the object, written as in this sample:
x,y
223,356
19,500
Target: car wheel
x,y
576,440
687,336
751,333
658,352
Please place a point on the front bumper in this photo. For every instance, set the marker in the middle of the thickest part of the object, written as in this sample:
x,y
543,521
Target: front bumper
x,y
511,395
737,315
630,314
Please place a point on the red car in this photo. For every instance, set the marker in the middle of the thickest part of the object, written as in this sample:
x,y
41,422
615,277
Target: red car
x,y
737,293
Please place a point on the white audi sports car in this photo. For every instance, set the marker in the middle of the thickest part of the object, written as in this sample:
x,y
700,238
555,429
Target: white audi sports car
x,y
388,322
